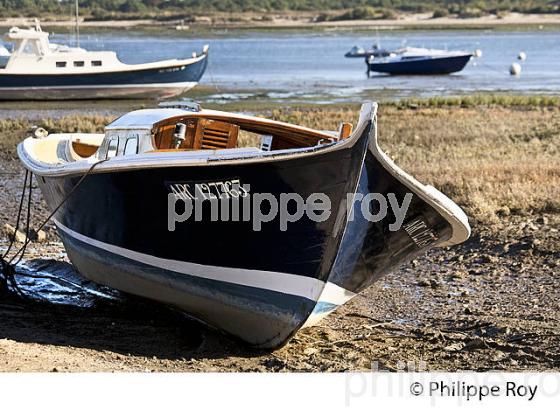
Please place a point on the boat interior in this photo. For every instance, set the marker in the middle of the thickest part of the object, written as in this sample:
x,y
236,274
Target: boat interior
x,y
211,132
193,132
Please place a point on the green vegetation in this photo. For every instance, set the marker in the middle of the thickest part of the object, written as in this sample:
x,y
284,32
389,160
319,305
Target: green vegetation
x,y
479,100
467,101
362,13
352,9
440,12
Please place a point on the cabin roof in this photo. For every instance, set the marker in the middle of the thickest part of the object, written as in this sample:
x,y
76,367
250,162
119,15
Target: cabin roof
x,y
144,119
16,33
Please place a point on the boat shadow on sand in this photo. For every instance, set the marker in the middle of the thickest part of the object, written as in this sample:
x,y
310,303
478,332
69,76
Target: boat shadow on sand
x,y
59,307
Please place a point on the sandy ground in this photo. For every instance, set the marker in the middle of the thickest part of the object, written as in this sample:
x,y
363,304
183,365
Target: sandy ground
x,y
304,20
425,20
489,304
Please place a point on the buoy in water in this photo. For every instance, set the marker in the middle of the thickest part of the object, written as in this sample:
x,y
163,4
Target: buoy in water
x,y
515,69
522,56
477,53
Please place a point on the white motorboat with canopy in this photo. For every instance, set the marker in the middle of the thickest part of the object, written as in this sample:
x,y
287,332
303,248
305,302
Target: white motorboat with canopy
x,y
37,69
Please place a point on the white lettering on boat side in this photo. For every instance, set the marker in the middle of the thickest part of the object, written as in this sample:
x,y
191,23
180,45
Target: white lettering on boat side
x,y
420,233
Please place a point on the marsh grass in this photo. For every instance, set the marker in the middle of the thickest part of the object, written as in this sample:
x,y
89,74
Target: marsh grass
x,y
13,131
480,100
494,158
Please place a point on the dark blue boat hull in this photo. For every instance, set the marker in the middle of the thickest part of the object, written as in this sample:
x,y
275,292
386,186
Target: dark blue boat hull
x,y
422,66
115,230
134,83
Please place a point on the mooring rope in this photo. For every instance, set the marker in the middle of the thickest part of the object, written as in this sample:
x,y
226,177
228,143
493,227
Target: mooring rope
x,y
27,223
13,238
8,267
8,270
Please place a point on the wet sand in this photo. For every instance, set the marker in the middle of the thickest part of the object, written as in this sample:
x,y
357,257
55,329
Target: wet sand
x,y
488,304
491,304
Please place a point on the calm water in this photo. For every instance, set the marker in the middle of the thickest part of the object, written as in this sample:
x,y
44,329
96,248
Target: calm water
x,y
312,66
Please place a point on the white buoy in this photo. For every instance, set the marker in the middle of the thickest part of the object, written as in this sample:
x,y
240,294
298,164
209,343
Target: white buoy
x,y
522,56
477,53
515,69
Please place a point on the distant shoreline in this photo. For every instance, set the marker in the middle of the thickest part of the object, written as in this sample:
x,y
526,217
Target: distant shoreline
x,y
422,21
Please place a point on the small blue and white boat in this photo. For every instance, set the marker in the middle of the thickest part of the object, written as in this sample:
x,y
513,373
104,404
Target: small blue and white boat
x,y
360,52
39,70
420,61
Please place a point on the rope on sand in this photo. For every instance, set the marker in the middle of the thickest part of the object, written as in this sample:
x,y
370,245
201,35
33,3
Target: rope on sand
x,y
8,265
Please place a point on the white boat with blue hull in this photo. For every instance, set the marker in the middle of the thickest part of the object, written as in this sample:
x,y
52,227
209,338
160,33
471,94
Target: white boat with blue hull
x,y
419,61
260,285
39,70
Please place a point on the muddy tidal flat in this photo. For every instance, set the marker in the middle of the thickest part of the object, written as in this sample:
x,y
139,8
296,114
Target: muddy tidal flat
x,y
488,304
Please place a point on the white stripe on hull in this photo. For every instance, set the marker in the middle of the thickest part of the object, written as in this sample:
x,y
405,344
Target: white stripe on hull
x,y
333,295
286,283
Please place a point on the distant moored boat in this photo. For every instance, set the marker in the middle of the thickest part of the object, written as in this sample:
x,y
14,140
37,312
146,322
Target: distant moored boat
x,y
360,52
413,61
39,70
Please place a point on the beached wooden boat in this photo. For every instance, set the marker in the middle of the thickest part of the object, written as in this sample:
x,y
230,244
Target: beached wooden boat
x,y
259,283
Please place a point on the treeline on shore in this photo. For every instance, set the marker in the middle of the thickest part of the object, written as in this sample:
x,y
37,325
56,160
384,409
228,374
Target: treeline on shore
x,y
325,9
